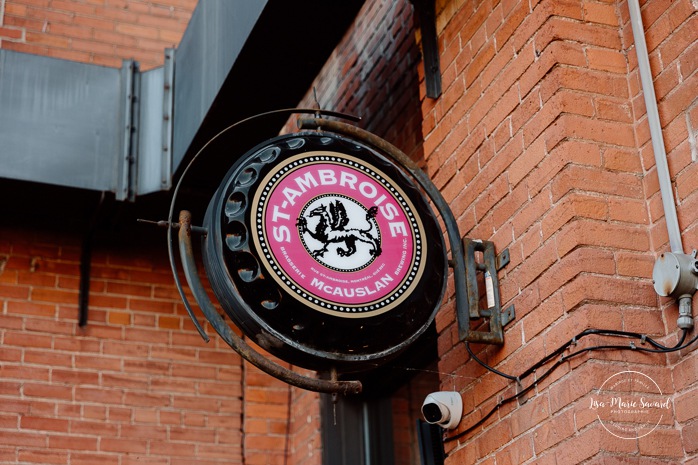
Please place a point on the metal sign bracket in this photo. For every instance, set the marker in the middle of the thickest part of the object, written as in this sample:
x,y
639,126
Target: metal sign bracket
x,y
481,267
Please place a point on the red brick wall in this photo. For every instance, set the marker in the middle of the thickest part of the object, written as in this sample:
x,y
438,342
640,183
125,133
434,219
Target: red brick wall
x,y
136,385
672,40
266,417
103,32
124,389
305,440
540,144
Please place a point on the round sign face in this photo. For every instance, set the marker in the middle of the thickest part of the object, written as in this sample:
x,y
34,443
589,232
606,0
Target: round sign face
x,y
317,248
338,234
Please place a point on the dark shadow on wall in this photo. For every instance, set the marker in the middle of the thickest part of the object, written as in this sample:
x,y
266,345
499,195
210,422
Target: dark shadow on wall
x,y
373,74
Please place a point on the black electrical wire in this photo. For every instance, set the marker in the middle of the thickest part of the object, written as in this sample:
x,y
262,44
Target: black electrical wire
x,y
604,332
658,348
490,368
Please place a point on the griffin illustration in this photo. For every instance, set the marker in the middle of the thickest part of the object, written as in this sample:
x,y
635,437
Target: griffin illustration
x,y
332,228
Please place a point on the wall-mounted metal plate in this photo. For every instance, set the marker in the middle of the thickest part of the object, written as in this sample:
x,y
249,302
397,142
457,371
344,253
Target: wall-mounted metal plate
x,y
497,318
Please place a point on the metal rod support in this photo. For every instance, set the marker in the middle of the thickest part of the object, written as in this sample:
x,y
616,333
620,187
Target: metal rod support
x,y
426,11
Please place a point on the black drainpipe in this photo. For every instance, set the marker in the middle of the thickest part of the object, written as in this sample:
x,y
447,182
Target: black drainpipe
x,y
86,264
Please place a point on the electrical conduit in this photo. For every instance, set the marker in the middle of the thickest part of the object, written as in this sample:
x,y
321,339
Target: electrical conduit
x,y
668,203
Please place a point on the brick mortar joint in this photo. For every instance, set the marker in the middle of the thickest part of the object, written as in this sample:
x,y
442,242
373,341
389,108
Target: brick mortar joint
x,y
21,39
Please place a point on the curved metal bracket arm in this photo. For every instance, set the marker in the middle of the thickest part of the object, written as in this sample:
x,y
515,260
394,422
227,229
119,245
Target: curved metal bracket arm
x,y
462,257
186,252
457,259
171,224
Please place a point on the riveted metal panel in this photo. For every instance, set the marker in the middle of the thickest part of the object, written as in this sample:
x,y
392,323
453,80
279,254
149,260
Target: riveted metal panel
x,y
60,121
125,131
155,132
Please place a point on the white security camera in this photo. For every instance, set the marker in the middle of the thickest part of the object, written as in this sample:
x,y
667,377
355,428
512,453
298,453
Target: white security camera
x,y
443,408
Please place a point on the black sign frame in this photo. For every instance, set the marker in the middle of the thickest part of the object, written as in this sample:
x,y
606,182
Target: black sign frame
x,y
393,155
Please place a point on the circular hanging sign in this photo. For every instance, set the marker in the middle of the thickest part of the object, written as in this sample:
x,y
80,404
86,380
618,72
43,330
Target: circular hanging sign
x,y
324,252
338,235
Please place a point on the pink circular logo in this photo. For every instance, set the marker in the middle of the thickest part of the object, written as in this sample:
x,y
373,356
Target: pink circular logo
x,y
338,234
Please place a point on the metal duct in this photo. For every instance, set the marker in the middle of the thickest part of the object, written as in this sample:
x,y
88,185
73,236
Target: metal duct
x,y
85,126
126,131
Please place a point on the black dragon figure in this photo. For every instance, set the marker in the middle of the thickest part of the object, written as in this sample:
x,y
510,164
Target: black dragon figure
x,y
332,228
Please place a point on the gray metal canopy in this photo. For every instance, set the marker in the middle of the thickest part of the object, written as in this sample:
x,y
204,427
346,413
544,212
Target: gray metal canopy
x,y
127,132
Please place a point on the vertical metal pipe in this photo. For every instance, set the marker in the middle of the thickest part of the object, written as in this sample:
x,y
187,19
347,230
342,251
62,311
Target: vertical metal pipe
x,y
426,12
366,430
685,320
85,270
672,222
